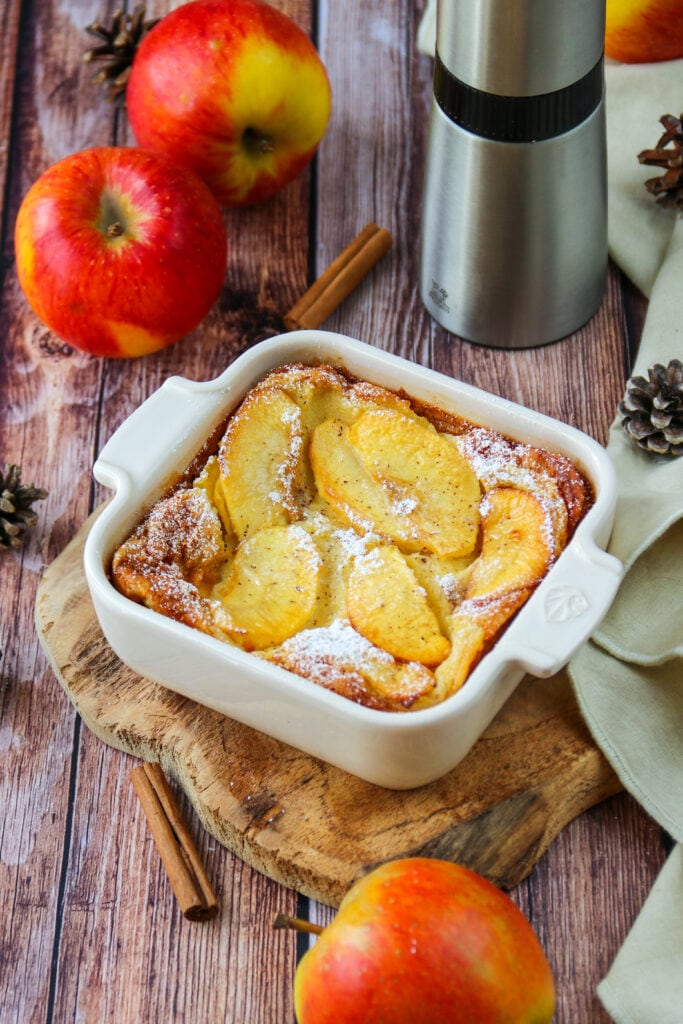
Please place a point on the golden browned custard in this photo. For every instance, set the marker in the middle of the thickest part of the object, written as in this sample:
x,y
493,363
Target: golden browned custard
x,y
356,537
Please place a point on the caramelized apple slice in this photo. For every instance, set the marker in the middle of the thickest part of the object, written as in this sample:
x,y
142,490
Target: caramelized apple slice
x,y
209,480
345,484
261,462
501,462
340,659
473,628
387,606
444,579
573,489
467,646
421,507
426,475
401,685
518,543
366,397
272,587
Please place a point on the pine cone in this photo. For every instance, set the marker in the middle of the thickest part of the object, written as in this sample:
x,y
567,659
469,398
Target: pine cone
x,y
16,514
669,188
117,50
653,409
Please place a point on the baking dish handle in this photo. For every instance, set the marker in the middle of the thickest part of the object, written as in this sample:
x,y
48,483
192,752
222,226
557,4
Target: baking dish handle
x,y
159,435
574,599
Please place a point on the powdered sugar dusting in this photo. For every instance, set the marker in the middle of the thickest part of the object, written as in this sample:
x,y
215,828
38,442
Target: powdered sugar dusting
x,y
339,644
184,529
405,506
354,544
368,561
452,586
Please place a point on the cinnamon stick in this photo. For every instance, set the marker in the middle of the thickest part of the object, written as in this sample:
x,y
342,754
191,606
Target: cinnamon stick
x,y
176,847
340,278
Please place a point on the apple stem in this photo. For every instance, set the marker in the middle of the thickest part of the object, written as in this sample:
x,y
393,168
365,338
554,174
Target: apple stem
x,y
115,230
297,923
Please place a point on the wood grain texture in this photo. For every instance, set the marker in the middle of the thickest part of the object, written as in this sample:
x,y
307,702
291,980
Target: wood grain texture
x,y
9,52
305,824
61,944
38,432
90,931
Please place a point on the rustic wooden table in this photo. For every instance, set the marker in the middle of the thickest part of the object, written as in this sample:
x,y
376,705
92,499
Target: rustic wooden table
x,y
90,930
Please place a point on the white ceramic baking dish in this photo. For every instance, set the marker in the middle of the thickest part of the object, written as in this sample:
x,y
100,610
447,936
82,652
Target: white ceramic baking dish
x,y
394,750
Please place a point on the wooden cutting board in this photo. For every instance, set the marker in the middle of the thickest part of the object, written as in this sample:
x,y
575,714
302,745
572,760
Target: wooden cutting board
x,y
310,826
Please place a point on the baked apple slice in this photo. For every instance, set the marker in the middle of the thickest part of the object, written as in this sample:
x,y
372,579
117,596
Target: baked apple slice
x,y
432,506
345,484
518,543
271,591
517,549
338,658
473,628
389,608
501,462
365,397
425,474
320,392
444,579
260,459
209,480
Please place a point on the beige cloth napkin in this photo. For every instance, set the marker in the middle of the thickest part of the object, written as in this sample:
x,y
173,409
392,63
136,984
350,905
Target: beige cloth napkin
x,y
629,677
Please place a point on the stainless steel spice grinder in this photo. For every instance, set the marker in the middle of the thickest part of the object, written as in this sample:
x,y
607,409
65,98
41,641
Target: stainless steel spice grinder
x,y
513,246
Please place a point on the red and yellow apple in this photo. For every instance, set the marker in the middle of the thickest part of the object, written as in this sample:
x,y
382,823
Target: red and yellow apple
x,y
640,31
425,941
233,89
120,252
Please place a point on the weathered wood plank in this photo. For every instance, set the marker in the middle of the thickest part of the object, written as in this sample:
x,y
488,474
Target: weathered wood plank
x,y
137,958
558,378
48,399
371,165
9,48
126,952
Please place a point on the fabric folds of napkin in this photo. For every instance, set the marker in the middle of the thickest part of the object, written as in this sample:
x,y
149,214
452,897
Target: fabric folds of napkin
x,y
628,678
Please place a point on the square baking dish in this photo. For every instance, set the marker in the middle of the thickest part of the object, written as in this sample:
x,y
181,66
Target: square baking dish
x,y
153,447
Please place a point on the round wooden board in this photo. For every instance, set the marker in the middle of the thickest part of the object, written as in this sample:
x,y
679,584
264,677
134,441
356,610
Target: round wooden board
x,y
310,826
